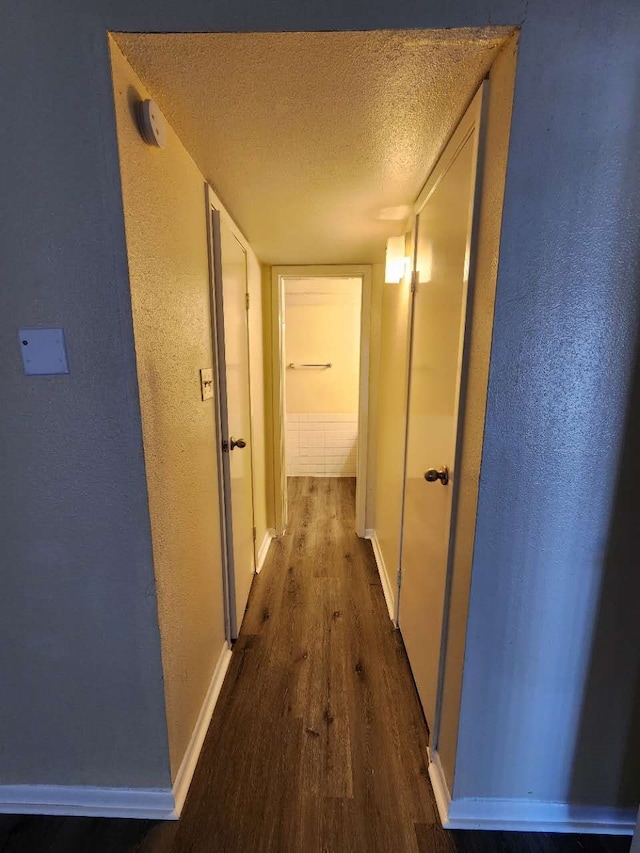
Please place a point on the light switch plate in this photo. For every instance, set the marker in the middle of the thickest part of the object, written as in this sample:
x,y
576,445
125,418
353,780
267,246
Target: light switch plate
x,y
43,351
206,383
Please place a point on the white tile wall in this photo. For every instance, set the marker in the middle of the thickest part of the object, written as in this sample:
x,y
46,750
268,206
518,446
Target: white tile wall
x,y
322,445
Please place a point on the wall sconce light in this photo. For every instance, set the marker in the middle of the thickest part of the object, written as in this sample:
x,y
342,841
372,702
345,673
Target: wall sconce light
x,y
396,261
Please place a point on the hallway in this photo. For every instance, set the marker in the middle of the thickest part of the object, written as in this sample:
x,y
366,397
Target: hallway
x,y
308,749
318,741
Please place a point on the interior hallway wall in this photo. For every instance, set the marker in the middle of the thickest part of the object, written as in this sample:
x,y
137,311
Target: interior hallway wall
x,y
562,356
165,221
80,658
257,353
548,626
267,339
322,326
391,420
482,296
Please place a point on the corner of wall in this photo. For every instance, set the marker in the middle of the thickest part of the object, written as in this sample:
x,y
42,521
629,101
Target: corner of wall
x,y
497,114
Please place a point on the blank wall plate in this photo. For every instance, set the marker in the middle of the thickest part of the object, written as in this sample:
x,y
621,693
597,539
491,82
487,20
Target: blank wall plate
x,y
43,352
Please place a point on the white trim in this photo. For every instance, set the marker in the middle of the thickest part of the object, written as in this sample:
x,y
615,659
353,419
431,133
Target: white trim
x,y
362,463
372,536
635,844
525,815
228,581
190,758
264,548
85,801
143,803
539,816
216,216
278,404
440,787
323,476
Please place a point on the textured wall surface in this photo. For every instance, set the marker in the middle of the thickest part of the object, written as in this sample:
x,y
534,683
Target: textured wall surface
x,y
80,656
356,125
391,421
164,207
561,361
497,110
549,634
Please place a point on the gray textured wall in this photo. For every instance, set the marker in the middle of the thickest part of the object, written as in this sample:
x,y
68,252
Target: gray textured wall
x,y
82,695
497,116
553,649
80,627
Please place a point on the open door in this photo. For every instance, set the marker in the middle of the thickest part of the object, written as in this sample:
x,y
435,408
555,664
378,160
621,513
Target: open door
x,y
443,241
230,304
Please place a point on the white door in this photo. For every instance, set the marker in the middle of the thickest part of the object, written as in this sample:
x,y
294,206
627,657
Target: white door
x,y
232,337
443,242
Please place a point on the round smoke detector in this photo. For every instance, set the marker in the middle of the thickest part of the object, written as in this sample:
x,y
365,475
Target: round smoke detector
x,y
151,124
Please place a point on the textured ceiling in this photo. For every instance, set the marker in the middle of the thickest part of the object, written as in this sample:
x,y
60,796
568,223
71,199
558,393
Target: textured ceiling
x,y
308,137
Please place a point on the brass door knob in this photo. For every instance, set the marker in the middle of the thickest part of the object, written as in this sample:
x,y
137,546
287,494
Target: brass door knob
x,y
434,474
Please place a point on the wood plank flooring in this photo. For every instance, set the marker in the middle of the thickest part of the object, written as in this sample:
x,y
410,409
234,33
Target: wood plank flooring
x,y
317,744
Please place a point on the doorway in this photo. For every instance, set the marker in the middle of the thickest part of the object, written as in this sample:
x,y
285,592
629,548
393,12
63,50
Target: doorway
x,y
373,216
322,357
321,365
230,338
444,241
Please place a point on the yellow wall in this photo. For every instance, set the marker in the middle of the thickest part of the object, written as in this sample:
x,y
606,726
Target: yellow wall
x,y
257,352
164,209
375,331
392,402
267,336
322,324
391,420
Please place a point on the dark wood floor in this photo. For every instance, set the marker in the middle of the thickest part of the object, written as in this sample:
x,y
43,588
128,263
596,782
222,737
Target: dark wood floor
x,y
318,741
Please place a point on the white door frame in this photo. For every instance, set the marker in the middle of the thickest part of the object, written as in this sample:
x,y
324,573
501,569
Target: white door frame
x,y
216,213
279,274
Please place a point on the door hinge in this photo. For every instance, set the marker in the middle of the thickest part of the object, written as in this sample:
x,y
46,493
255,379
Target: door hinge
x,y
248,300
255,534
414,280
399,578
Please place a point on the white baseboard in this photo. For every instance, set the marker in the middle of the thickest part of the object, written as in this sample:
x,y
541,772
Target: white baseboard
x,y
190,758
85,801
382,571
525,815
323,475
264,549
147,803
440,787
